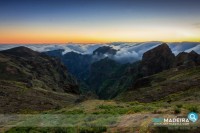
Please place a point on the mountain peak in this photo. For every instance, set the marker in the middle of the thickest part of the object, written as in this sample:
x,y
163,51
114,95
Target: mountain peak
x,y
105,50
57,50
161,48
193,52
21,51
164,45
187,60
157,59
55,53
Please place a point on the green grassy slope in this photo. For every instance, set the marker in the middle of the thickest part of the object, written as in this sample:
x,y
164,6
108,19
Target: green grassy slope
x,y
170,85
16,97
31,81
167,94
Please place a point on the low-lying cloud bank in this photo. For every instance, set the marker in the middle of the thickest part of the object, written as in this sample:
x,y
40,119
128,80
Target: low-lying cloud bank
x,y
126,52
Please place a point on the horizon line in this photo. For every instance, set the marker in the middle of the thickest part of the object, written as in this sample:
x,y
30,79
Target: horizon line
x,y
95,42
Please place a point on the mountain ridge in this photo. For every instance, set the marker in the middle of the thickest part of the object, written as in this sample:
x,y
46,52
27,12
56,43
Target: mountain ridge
x,y
155,60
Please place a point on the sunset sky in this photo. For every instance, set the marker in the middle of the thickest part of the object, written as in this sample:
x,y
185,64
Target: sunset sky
x,y
96,21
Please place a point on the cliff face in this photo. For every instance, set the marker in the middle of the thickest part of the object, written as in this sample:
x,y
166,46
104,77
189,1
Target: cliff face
x,y
157,60
161,58
184,59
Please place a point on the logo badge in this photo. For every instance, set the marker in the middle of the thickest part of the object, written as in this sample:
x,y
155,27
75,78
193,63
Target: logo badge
x,y
192,116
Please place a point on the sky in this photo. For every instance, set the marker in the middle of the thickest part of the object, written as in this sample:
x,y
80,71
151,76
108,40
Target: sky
x,y
98,21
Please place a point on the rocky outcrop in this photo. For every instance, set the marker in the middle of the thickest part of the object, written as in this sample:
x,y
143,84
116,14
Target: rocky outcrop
x,y
187,60
161,58
157,60
170,84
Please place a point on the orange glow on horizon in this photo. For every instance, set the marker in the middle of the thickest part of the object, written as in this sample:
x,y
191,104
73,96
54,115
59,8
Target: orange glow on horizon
x,y
36,35
98,22
27,41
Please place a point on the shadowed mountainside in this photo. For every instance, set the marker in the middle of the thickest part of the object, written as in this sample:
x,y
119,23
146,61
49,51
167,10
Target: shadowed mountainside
x,y
178,75
164,85
108,80
77,64
16,97
36,69
157,60
121,78
104,50
184,59
26,75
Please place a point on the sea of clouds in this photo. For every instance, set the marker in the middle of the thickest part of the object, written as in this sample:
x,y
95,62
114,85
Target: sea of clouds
x,y
126,52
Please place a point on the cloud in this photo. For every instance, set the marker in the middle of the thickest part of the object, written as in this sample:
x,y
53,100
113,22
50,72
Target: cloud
x,y
182,47
5,47
124,56
126,52
196,49
78,48
82,49
131,52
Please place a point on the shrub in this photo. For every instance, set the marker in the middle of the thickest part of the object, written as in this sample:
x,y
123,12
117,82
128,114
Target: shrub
x,y
134,103
177,110
75,111
106,107
179,105
93,130
138,108
193,109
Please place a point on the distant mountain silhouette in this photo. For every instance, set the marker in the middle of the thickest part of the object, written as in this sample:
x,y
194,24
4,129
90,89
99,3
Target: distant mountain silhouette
x,y
55,53
104,50
21,51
